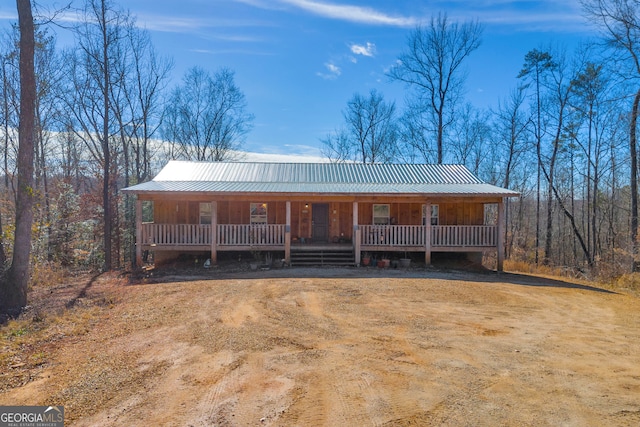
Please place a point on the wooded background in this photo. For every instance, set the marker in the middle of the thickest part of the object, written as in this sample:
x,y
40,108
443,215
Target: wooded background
x,y
108,116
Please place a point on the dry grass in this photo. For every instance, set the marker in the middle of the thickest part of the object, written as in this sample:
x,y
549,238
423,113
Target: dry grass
x,y
27,343
546,270
628,283
61,309
47,275
610,279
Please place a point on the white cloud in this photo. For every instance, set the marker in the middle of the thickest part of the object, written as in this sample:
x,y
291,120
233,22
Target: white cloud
x,y
333,71
9,16
367,50
363,15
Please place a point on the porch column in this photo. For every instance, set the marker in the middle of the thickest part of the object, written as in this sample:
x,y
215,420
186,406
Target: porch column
x,y
138,232
500,235
287,235
356,233
214,232
427,232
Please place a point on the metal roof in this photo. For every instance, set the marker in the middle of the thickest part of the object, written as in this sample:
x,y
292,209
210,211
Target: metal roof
x,y
327,178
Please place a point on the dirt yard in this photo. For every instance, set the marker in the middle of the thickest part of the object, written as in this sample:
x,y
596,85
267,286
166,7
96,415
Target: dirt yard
x,y
332,347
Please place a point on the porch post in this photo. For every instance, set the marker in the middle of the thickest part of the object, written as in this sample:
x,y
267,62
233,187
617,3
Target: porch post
x,y
427,232
287,235
356,233
138,232
214,231
500,235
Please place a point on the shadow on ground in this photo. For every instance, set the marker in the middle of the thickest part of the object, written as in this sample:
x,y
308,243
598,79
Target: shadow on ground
x,y
460,272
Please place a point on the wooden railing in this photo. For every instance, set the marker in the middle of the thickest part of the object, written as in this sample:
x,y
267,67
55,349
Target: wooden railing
x,y
464,235
441,235
250,235
176,234
392,235
274,235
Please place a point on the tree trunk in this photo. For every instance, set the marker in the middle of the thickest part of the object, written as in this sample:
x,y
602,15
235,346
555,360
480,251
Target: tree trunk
x,y
538,177
5,110
13,287
41,174
550,175
574,227
106,179
440,136
634,181
3,255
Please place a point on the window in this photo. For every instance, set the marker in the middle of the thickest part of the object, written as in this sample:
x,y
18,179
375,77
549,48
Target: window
x,y
258,213
435,214
205,213
491,214
147,211
381,214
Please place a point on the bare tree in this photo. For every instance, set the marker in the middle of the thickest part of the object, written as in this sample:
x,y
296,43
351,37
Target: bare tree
x,y
511,128
620,24
144,84
71,151
589,99
10,106
144,76
537,64
370,134
432,66
471,136
13,285
415,131
93,72
206,116
9,111
48,82
561,87
338,147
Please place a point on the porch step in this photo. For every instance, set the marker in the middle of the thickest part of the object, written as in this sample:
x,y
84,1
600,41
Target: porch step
x,y
322,257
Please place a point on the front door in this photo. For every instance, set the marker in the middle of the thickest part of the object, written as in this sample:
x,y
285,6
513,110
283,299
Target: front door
x,y
320,223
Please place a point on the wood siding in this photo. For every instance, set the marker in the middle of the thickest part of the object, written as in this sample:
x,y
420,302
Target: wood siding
x,y
461,225
340,214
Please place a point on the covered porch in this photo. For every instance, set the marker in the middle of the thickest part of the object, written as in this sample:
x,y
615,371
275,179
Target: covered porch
x,y
260,207
359,237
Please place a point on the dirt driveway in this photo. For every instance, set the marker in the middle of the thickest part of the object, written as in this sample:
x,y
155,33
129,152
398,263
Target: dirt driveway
x,y
353,348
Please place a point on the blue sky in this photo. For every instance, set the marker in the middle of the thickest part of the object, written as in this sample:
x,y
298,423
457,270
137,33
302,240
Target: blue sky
x,y
299,61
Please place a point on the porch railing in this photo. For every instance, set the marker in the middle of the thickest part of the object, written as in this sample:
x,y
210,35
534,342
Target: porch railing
x,y
274,235
250,235
392,235
464,235
176,234
441,235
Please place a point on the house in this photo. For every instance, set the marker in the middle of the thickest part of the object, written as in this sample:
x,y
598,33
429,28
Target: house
x,y
304,210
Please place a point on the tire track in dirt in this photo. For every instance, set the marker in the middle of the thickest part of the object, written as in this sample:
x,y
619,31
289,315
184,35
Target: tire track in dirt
x,y
332,395
218,403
